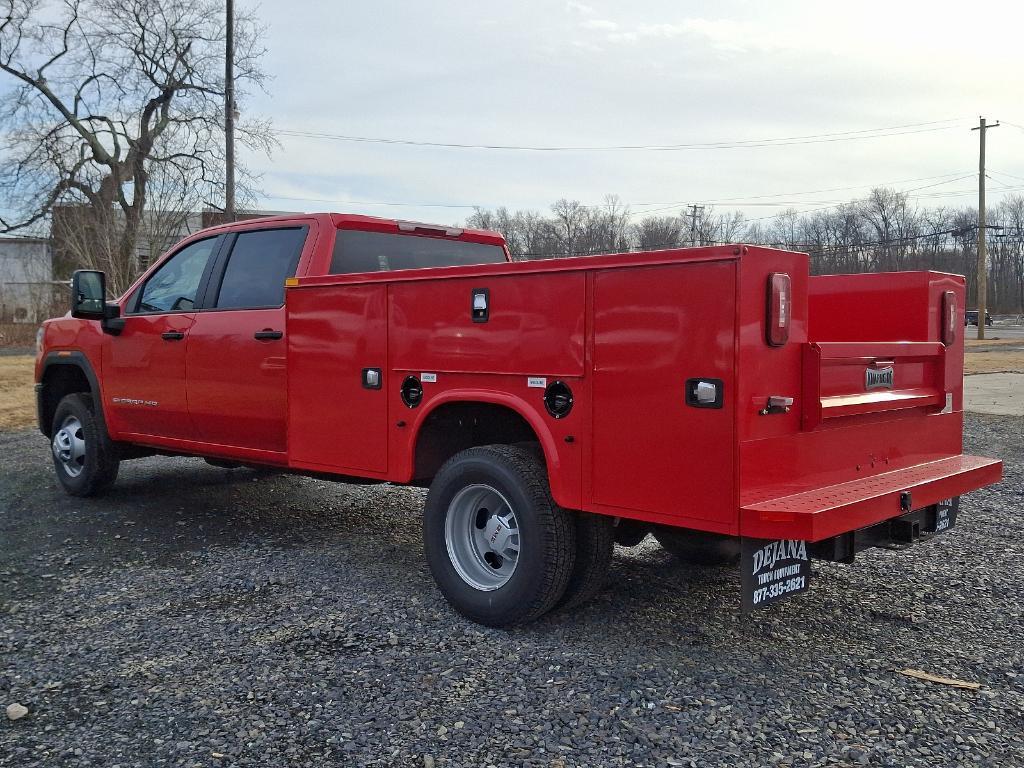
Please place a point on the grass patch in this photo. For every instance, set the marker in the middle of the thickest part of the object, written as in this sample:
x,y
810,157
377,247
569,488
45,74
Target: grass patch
x,y
17,396
996,342
1010,361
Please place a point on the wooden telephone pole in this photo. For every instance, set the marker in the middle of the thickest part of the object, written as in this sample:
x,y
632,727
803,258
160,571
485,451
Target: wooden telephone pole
x,y
695,211
982,229
229,115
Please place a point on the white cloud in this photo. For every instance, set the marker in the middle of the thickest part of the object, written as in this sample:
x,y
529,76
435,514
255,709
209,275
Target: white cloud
x,y
668,73
578,7
722,35
623,37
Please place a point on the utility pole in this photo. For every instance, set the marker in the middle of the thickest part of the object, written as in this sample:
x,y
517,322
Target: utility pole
x,y
694,211
982,228
229,115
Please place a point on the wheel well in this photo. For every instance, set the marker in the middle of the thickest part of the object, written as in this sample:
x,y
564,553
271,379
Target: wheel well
x,y
454,427
58,382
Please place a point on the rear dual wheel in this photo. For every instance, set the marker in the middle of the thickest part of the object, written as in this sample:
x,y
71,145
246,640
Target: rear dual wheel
x,y
500,549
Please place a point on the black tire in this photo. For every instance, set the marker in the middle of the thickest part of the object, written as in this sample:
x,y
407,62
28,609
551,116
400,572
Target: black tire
x,y
595,543
547,536
699,547
97,466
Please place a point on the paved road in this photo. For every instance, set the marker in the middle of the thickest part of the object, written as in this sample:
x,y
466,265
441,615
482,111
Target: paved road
x,y
999,331
203,617
1000,394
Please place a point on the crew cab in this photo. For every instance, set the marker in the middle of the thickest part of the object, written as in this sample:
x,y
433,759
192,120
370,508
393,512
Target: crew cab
x,y
722,398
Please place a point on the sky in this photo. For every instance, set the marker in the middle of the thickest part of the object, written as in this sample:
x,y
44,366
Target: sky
x,y
589,73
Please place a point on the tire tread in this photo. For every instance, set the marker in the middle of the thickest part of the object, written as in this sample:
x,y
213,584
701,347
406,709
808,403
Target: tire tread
x,y
101,472
595,545
557,524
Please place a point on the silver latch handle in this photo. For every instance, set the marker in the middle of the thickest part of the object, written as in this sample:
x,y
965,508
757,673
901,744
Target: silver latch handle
x,y
777,404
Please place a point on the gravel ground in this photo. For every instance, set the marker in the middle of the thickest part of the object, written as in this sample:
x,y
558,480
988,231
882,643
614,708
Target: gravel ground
x,y
205,617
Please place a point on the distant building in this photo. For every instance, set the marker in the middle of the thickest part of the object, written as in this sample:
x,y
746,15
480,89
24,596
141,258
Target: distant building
x,y
159,232
27,286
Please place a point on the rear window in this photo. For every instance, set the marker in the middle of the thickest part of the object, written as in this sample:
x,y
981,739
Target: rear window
x,y
356,251
259,263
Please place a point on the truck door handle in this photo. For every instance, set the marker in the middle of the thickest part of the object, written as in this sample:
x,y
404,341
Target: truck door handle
x,y
172,335
267,334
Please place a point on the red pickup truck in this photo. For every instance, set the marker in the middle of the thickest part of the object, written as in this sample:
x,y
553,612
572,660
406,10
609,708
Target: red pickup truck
x,y
722,399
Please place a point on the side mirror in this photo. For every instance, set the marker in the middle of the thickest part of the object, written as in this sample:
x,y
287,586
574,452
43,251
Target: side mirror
x,y
89,295
89,300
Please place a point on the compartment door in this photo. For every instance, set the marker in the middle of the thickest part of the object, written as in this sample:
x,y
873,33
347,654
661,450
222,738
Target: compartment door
x,y
655,328
337,417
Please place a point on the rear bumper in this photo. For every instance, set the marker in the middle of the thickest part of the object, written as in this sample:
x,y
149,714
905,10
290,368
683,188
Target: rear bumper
x,y
832,510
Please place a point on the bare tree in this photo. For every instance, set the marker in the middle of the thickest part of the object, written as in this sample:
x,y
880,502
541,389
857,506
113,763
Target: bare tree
x,y
110,94
568,225
894,222
657,232
880,232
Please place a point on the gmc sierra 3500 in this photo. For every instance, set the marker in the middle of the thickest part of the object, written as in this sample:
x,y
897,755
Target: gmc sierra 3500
x,y
721,398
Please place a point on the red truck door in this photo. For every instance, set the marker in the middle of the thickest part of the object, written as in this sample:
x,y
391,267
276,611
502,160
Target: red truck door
x,y
237,379
144,366
655,329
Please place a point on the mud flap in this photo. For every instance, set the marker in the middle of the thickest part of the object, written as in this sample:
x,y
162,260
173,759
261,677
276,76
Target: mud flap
x,y
773,569
945,515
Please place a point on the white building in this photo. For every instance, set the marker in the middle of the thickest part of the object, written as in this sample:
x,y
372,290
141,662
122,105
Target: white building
x,y
26,280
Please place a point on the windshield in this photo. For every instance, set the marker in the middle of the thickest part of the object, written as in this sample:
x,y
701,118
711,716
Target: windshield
x,y
358,251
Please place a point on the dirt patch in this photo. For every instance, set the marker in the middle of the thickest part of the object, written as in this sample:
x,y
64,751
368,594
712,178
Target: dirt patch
x,y
17,396
994,362
993,342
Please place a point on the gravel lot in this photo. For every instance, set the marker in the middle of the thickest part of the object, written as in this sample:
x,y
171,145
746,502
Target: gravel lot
x,y
205,617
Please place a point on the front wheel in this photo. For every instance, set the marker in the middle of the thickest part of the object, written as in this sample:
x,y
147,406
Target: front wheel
x,y
499,548
84,458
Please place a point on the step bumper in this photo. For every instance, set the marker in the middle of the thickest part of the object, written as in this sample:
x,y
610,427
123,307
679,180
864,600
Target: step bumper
x,y
831,510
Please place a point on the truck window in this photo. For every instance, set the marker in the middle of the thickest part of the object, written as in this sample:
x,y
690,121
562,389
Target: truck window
x,y
173,287
358,251
259,263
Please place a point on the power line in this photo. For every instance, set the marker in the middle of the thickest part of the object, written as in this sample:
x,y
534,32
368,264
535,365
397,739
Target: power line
x,y
368,202
739,203
752,201
817,138
958,174
835,205
889,241
822,251
1003,173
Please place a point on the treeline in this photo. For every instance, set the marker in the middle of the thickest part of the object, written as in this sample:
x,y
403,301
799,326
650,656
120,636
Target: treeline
x,y
883,232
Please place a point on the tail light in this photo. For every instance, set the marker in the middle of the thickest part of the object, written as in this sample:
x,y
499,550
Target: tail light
x,y
780,309
950,318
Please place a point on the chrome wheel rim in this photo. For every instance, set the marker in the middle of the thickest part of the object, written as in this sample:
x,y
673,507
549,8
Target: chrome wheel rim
x,y
481,532
69,446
